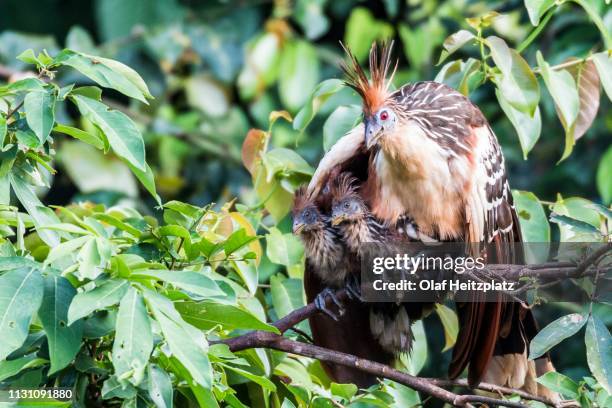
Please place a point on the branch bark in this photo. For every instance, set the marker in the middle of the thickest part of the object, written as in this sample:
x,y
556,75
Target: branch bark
x,y
430,386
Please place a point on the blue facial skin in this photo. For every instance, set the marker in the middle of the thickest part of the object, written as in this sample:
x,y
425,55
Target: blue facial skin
x,y
382,121
308,217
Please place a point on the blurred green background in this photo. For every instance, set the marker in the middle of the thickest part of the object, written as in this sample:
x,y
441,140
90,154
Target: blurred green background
x,y
217,69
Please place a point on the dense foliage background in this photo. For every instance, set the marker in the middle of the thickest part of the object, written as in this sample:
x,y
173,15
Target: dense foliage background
x,y
214,71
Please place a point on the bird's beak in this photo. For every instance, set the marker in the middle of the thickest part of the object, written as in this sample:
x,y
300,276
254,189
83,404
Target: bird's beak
x,y
298,227
337,220
372,133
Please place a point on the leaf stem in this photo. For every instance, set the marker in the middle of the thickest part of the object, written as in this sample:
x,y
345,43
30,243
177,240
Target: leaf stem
x,y
536,31
563,65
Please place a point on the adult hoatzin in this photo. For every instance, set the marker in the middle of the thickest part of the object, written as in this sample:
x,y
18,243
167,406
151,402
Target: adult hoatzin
x,y
424,151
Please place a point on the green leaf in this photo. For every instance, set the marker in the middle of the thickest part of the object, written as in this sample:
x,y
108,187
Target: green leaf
x,y
345,391
21,292
9,368
604,176
340,122
29,57
237,240
592,11
403,396
564,92
159,386
2,129
23,85
92,92
420,40
599,352
575,225
284,249
64,341
418,357
117,223
527,127
534,224
455,41
258,379
310,15
122,134
450,323
555,333
91,262
362,29
194,282
287,295
86,137
186,343
282,161
321,93
537,8
260,65
603,63
299,73
517,83
108,294
40,112
557,382
462,76
578,209
206,315
40,214
133,338
146,178
247,270
107,73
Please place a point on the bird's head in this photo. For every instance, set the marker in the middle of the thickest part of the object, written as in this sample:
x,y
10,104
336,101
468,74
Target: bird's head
x,y
377,124
349,209
347,204
308,220
306,215
379,116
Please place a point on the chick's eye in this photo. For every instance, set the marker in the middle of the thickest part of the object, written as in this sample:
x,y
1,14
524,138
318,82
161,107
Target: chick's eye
x,y
384,115
306,214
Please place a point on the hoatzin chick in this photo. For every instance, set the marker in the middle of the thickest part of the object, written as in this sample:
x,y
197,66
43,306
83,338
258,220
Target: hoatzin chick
x,y
434,158
327,268
390,323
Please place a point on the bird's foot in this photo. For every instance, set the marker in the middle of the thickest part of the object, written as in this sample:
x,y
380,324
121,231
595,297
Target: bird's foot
x,y
321,300
353,289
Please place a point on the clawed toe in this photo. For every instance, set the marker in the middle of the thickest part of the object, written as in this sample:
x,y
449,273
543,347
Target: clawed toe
x,y
353,289
321,303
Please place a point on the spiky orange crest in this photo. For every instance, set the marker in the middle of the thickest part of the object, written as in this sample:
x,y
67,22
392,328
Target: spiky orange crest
x,y
345,186
374,92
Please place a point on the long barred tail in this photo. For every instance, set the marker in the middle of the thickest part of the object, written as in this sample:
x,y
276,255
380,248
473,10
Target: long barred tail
x,y
510,365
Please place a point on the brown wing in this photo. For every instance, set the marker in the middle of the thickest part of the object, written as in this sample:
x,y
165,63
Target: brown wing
x,y
502,328
351,334
347,155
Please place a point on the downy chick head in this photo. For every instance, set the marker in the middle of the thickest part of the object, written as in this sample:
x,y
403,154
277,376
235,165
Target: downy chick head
x,y
306,215
347,205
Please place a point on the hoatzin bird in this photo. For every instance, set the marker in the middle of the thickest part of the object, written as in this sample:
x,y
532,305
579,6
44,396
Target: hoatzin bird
x,y
432,156
328,268
390,323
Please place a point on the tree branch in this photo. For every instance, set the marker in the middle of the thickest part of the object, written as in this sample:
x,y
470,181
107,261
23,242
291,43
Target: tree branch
x,y
430,386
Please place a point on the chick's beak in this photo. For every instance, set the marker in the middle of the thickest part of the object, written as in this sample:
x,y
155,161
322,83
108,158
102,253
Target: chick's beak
x,y
337,219
298,227
372,132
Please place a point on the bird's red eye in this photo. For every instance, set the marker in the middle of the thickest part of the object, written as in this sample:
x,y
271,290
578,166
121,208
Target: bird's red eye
x,y
384,115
